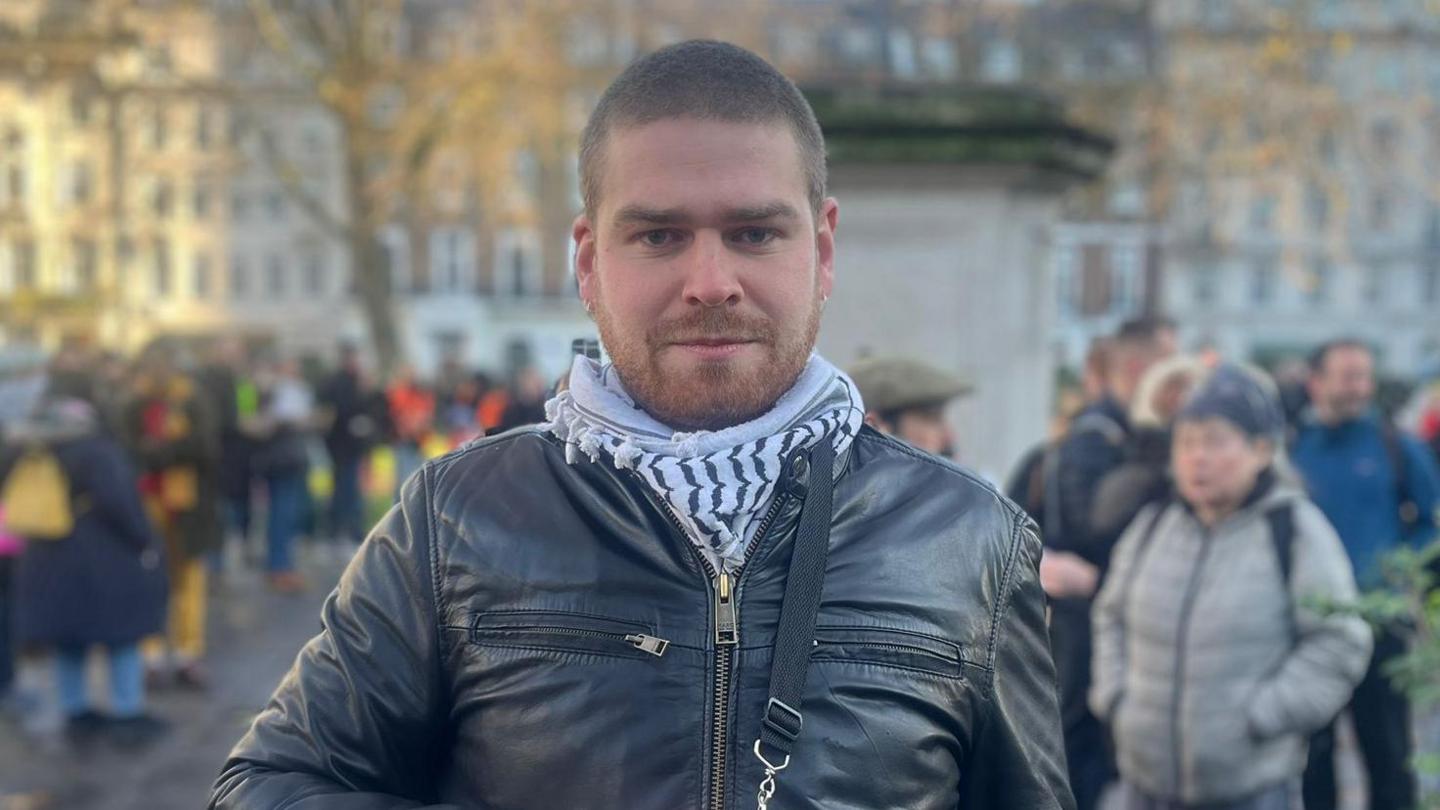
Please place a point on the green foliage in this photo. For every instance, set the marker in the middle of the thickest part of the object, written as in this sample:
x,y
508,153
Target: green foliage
x,y
1409,605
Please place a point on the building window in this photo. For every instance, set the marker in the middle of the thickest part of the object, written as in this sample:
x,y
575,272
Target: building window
x,y
1317,207
275,276
1262,212
452,260
517,264
275,205
314,274
1263,276
203,128
239,204
160,198
160,257
156,128
1321,278
239,277
1385,138
81,183
1372,287
1206,283
83,255
1001,62
1381,212
201,276
1430,282
1096,280
23,265
200,202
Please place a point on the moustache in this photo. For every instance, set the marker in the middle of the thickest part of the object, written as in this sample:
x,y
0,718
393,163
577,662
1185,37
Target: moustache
x,y
711,325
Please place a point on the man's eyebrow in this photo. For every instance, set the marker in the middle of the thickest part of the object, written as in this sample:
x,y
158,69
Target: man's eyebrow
x,y
773,210
639,214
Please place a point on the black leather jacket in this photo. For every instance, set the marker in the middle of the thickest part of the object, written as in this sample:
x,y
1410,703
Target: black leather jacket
x,y
497,643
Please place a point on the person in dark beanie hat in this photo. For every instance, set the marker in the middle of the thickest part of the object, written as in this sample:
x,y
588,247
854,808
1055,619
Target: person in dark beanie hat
x,y
1211,665
1240,397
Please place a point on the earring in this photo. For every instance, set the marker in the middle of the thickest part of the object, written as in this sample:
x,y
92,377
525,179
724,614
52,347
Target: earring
x,y
589,307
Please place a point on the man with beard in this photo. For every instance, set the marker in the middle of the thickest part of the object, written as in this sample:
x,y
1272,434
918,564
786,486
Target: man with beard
x,y
1380,489
703,580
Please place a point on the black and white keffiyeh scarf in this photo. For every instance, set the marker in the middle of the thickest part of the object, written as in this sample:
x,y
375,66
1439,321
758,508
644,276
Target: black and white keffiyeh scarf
x,y
716,482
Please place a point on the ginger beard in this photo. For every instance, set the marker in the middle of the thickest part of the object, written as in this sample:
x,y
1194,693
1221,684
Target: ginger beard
x,y
690,393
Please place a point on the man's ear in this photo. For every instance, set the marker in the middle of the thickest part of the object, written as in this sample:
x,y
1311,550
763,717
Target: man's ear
x,y
584,235
825,225
873,420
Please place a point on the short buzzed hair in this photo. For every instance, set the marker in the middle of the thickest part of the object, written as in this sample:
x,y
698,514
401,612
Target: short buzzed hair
x,y
706,80
1143,331
1321,355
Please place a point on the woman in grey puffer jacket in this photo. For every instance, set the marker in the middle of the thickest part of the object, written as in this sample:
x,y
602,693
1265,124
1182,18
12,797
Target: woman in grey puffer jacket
x,y
1211,665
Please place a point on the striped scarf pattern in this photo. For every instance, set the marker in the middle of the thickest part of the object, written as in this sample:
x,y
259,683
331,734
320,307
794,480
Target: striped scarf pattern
x,y
714,482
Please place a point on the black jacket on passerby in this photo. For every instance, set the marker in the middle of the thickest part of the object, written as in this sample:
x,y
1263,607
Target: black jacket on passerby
x,y
103,584
480,650
221,384
1093,448
356,425
1142,479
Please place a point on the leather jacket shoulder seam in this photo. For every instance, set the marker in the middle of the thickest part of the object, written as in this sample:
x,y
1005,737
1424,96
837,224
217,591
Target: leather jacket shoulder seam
x,y
871,435
1002,601
432,562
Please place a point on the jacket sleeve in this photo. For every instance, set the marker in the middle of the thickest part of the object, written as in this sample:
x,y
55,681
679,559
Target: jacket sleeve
x,y
1331,652
1107,617
1086,458
1423,481
358,722
1017,757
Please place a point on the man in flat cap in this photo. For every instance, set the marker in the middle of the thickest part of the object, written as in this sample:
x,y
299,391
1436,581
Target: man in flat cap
x,y
907,399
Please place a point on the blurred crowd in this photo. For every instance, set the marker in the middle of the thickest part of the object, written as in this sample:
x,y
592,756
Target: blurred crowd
x,y
1204,526
1198,515
130,483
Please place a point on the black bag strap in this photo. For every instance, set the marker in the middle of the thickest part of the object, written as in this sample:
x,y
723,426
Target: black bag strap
x,y
1400,468
1282,536
795,638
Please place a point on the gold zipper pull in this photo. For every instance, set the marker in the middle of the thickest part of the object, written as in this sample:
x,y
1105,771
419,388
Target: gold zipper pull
x,y
726,631
650,644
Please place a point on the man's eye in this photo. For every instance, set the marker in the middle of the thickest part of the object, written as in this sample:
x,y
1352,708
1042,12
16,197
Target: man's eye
x,y
657,238
755,237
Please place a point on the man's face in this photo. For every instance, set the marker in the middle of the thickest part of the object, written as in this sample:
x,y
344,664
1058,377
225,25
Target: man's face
x,y
925,428
705,267
1344,386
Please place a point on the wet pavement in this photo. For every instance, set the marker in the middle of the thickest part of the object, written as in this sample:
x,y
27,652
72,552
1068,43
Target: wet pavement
x,y
254,636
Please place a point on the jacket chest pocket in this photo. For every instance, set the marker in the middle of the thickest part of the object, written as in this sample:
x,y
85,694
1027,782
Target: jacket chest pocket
x,y
880,647
561,631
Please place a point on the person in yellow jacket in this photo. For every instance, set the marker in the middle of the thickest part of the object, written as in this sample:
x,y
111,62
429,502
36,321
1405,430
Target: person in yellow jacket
x,y
172,432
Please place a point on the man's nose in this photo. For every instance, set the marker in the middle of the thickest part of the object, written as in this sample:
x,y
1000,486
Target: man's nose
x,y
711,277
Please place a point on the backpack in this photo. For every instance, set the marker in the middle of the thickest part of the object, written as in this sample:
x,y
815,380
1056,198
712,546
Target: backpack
x,y
36,497
1281,520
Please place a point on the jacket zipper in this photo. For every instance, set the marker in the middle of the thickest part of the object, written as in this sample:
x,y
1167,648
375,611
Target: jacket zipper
x,y
727,638
640,641
1187,607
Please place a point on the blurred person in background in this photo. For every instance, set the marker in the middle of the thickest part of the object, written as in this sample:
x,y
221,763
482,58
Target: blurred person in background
x,y
1076,553
1026,486
1144,476
170,428
458,417
907,399
226,380
526,404
95,576
412,417
283,460
1212,666
1380,489
352,431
